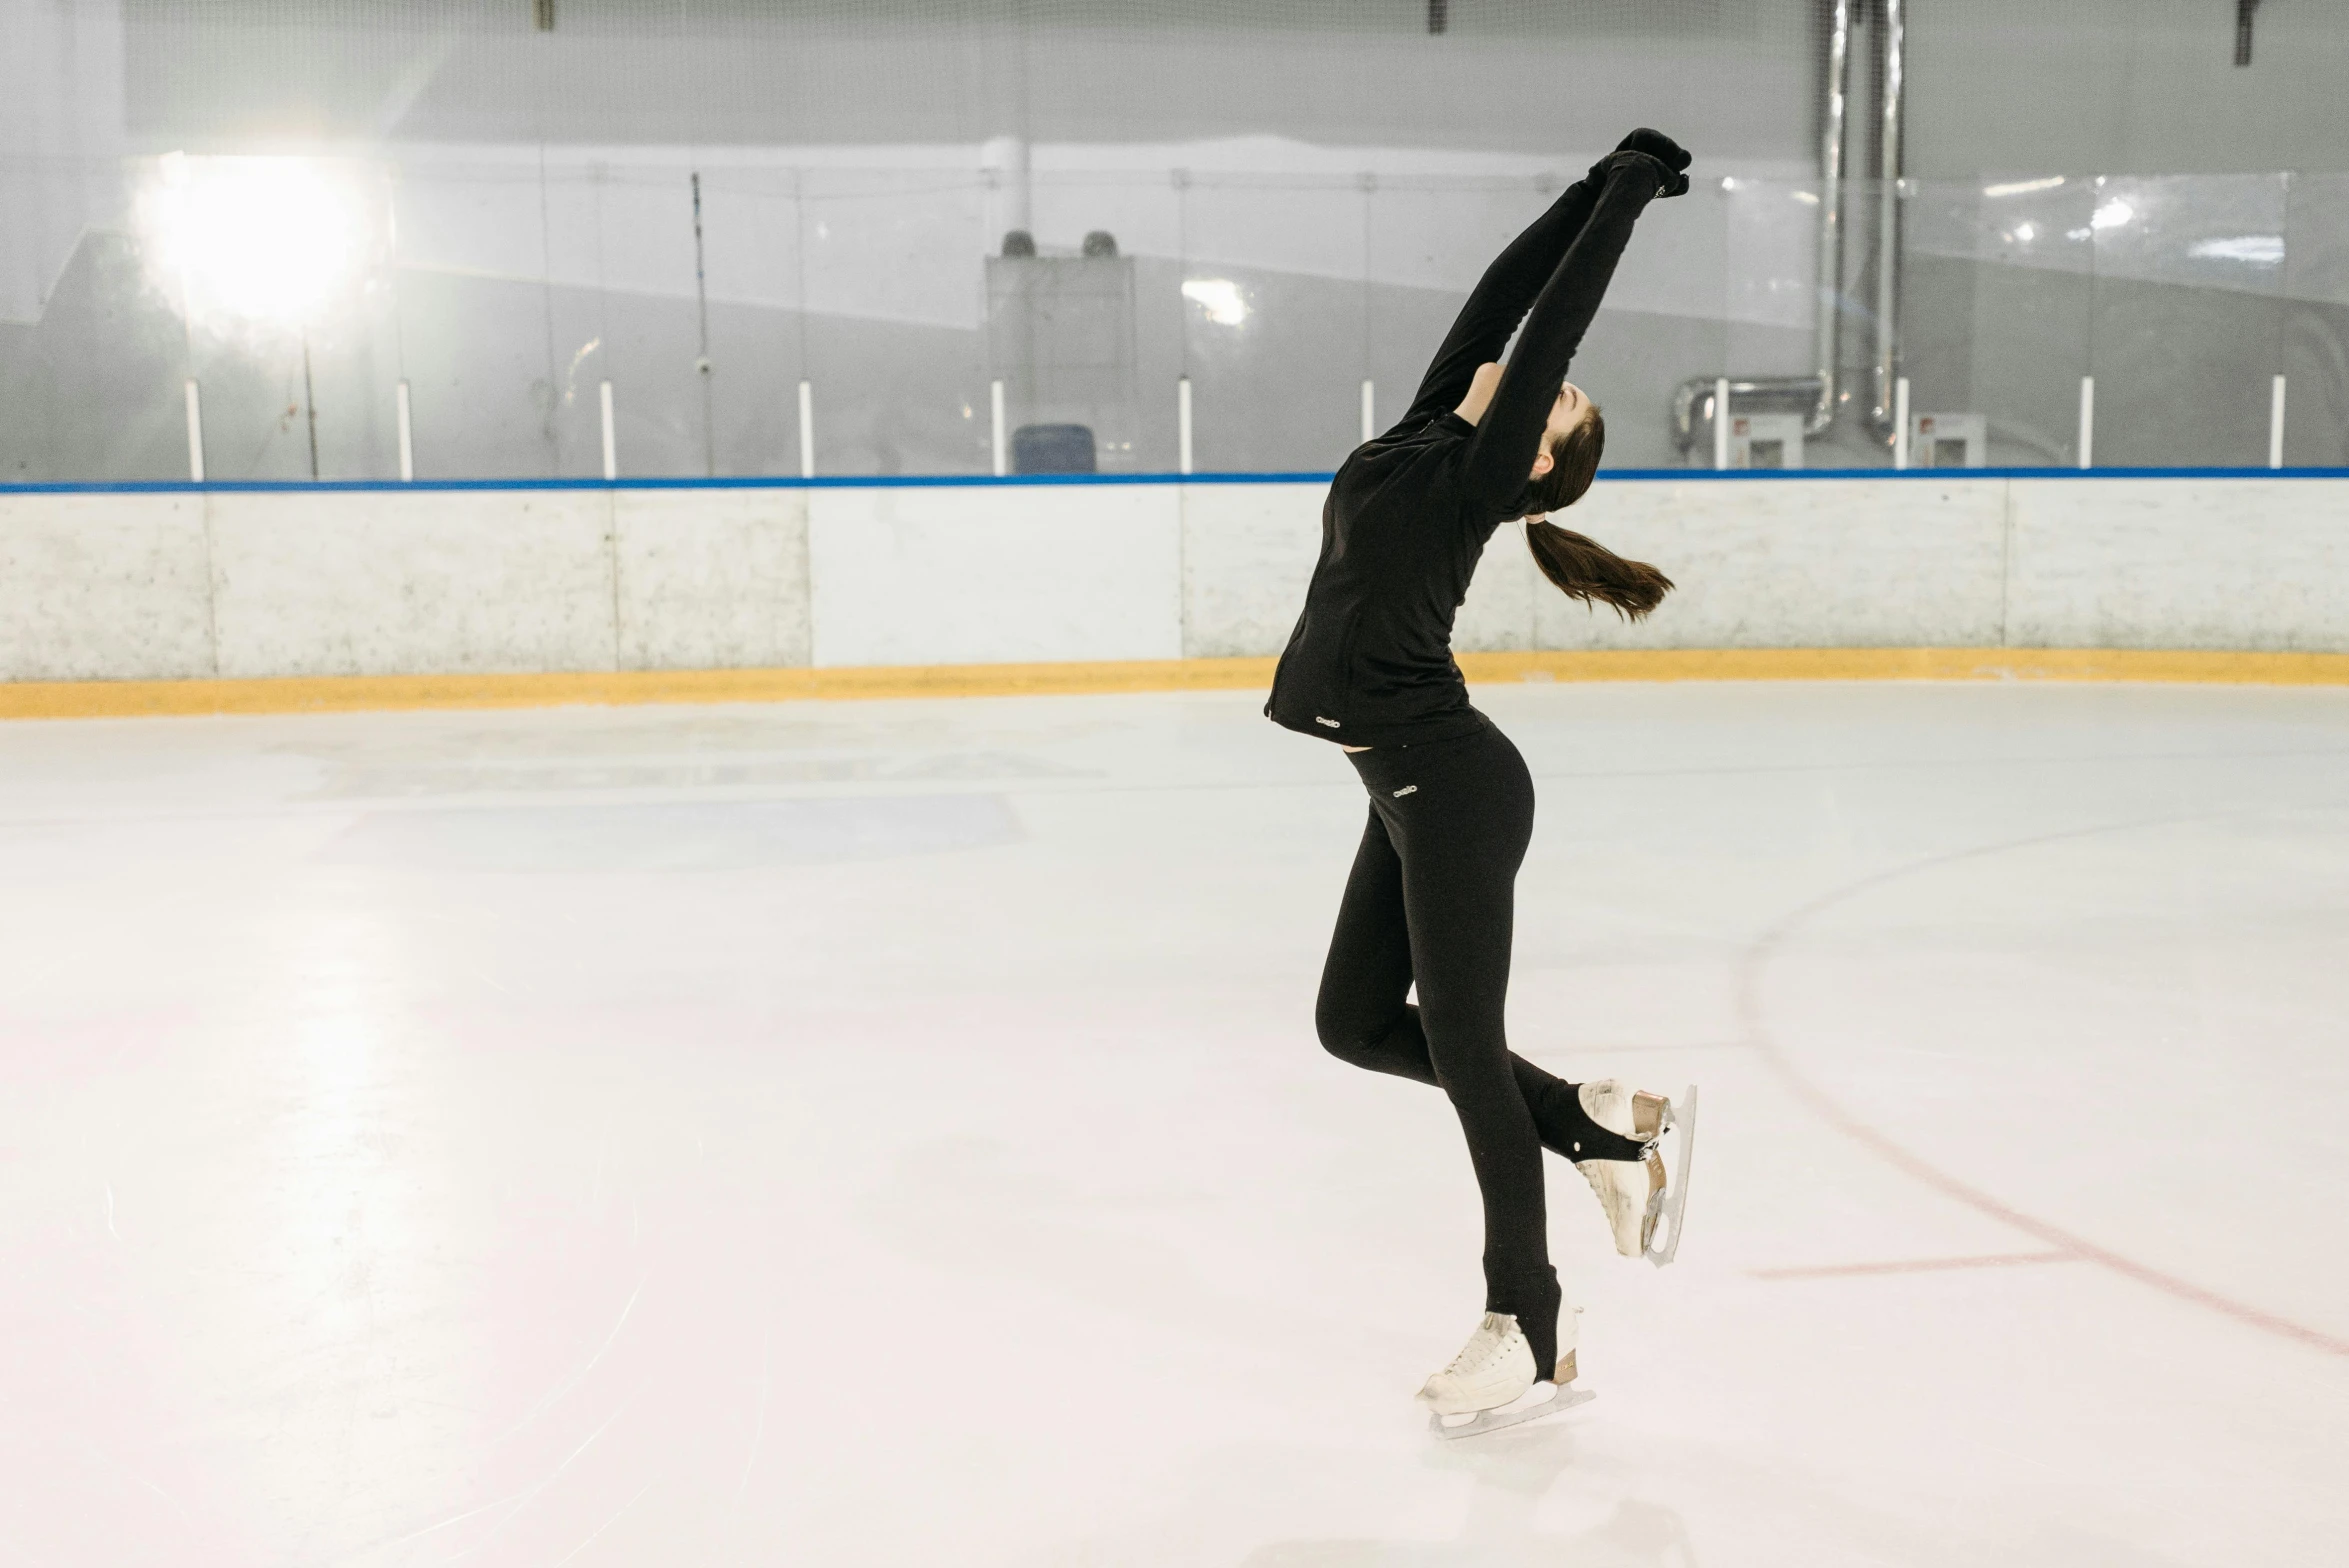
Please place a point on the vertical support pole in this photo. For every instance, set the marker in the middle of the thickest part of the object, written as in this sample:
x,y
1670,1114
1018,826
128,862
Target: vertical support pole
x,y
997,439
2275,424
1900,424
701,364
1369,410
2087,421
407,437
195,402
1183,425
1826,354
807,430
310,405
1721,423
1895,51
611,441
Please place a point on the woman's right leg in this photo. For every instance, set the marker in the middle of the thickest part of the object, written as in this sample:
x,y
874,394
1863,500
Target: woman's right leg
x,y
1364,1015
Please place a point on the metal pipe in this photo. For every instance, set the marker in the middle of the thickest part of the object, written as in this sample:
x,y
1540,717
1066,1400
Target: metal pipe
x,y
1888,223
1815,394
1792,393
1831,214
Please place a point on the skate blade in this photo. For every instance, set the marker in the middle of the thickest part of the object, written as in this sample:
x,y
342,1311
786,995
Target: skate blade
x,y
1684,1120
1564,1398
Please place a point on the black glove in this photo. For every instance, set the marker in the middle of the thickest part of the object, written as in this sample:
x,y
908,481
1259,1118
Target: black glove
x,y
1674,157
1669,181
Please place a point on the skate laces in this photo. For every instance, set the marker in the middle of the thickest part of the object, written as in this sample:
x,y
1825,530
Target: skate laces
x,y
1483,1348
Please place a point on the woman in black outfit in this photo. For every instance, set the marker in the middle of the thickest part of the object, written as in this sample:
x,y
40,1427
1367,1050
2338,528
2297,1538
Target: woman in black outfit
x,y
1451,804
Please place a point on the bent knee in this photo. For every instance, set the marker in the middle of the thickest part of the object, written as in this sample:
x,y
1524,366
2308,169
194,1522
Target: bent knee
x,y
1349,1037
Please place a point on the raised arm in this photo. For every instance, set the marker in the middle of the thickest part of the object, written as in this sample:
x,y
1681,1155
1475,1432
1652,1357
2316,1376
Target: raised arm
x,y
1501,298
1500,455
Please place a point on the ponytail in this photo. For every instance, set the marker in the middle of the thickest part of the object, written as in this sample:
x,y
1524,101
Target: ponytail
x,y
1582,568
1587,570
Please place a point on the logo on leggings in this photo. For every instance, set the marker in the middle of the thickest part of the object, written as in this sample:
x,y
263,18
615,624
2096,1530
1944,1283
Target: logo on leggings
x,y
1408,789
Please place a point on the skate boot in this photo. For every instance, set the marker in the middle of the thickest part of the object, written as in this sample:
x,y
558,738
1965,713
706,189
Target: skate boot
x,y
1638,1197
1492,1383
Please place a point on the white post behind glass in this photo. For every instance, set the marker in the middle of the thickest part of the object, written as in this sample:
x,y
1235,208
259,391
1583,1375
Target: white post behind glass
x,y
195,402
807,430
1900,423
1721,423
995,427
407,438
2275,424
611,444
1183,425
1369,410
2087,421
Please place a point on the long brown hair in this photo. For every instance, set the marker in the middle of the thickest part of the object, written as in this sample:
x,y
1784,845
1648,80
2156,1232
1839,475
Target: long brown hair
x,y
1581,567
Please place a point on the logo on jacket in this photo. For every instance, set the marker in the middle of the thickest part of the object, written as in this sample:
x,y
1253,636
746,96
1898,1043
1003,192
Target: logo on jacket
x,y
1318,719
1408,789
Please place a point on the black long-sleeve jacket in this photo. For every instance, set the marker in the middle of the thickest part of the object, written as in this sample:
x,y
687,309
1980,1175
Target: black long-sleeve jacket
x,y
1370,663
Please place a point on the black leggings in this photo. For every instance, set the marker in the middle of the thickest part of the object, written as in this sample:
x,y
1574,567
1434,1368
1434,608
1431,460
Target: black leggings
x,y
1431,900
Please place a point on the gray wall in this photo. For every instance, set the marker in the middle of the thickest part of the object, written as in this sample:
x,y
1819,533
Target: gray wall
x,y
1527,75
2124,87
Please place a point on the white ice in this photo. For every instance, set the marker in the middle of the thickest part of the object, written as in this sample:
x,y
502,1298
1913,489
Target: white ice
x,y
894,1133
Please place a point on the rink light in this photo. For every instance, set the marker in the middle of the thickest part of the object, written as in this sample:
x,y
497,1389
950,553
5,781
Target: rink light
x,y
261,239
2023,187
2259,250
1219,297
2112,215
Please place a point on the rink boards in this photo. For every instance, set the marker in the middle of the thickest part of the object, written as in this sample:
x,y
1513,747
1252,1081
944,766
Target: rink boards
x,y
792,579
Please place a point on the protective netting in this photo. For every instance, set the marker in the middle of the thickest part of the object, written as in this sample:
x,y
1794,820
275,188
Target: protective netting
x,y
1531,75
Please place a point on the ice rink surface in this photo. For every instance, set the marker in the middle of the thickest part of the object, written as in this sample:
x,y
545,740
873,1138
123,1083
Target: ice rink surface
x,y
893,1133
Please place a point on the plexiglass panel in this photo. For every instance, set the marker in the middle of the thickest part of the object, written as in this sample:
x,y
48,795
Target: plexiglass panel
x,y
507,284
1996,306
2188,325
2316,320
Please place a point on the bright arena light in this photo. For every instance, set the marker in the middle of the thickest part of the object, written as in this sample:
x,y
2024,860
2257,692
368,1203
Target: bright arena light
x,y
2259,250
258,239
1219,297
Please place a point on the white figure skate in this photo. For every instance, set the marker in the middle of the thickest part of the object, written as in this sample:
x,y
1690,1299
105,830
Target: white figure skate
x,y
1639,1199
1491,1383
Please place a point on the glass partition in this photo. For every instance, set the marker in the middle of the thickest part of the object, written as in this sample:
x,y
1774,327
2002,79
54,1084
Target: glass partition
x,y
1996,312
2188,327
505,286
2316,320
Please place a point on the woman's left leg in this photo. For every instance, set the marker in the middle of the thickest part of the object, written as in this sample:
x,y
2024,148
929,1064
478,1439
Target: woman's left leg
x,y
1460,815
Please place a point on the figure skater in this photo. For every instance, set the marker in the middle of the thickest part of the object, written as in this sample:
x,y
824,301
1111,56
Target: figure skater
x,y
1430,898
